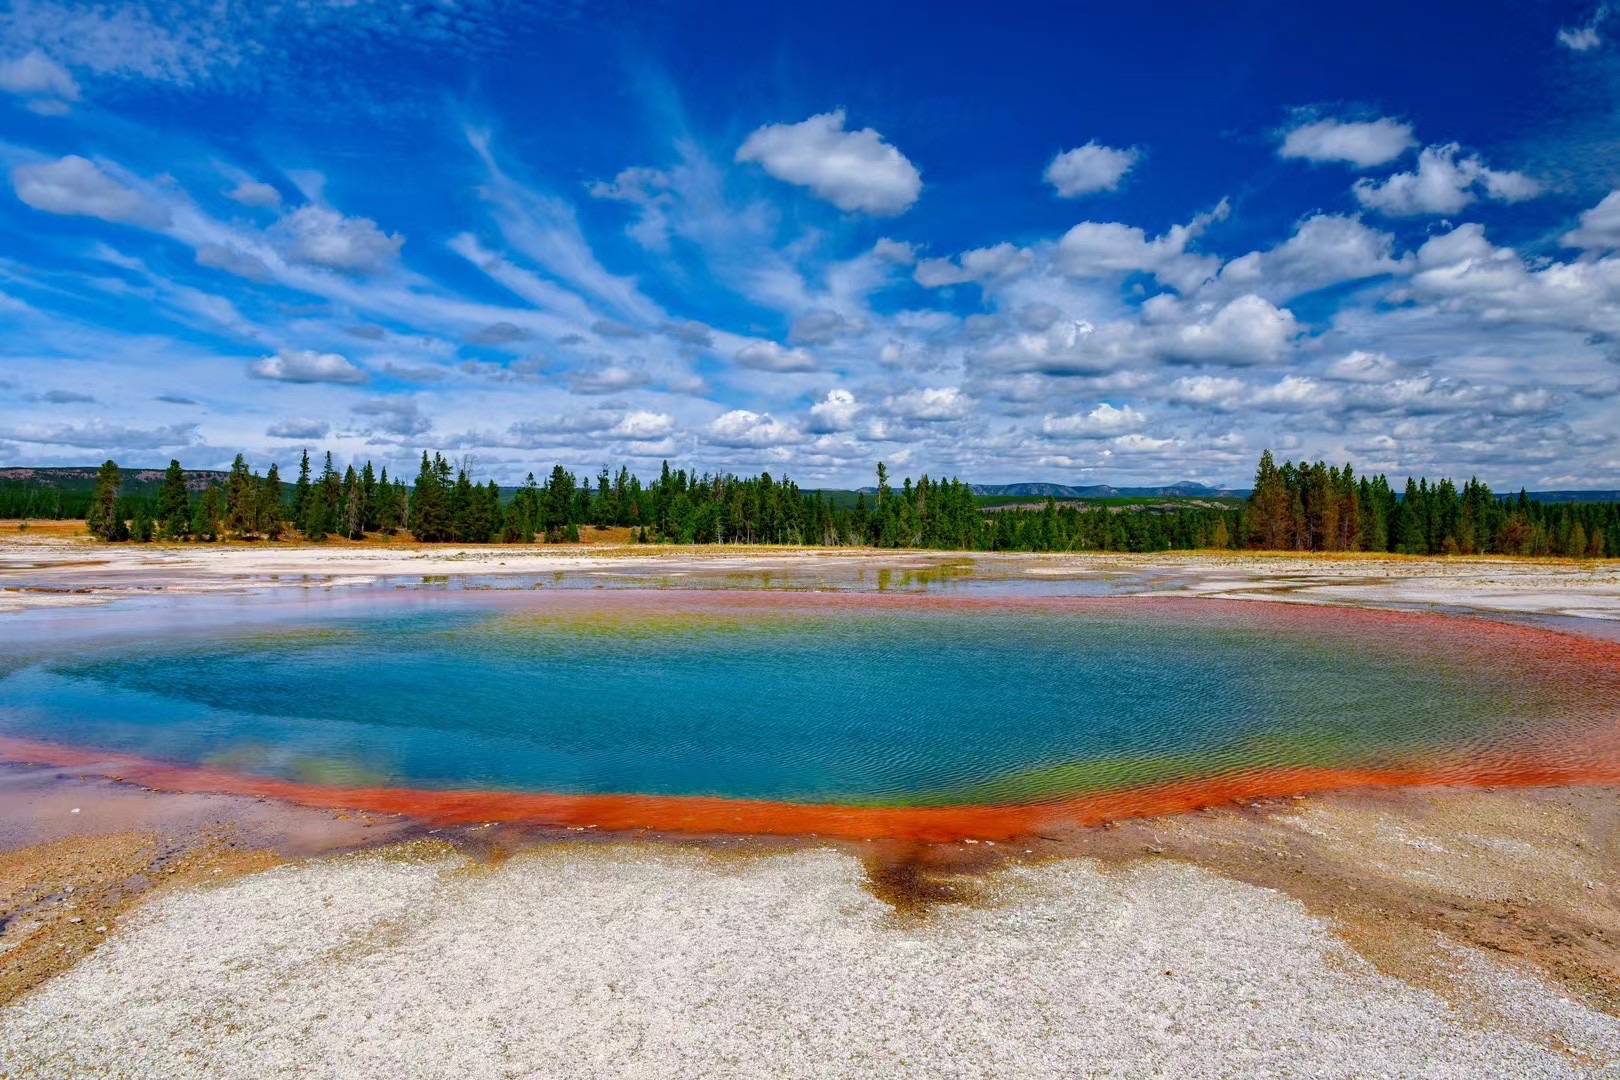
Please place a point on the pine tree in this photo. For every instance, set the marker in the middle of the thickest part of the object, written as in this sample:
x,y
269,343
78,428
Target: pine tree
x,y
428,521
490,515
140,529
382,503
368,499
207,512
241,500
1268,507
103,519
1349,510
622,497
1576,545
463,509
400,505
517,521
606,508
559,498
353,512
318,522
269,505
329,493
174,502
390,505
301,495
1409,531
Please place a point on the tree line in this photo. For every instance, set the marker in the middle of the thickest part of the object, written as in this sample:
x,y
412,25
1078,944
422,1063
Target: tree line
x,y
35,501
1318,507
1292,507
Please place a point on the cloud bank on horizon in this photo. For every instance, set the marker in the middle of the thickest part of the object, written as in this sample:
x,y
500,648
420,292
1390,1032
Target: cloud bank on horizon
x,y
1072,246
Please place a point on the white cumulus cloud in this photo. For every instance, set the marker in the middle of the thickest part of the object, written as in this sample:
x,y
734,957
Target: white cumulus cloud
x,y
1325,249
856,171
606,376
1363,366
1363,143
33,75
1137,443
1105,420
320,236
1599,229
1249,330
1585,37
742,428
1444,183
1579,38
835,412
78,186
643,424
306,366
930,403
255,193
1089,168
1294,392
1104,248
1212,391
1004,260
769,356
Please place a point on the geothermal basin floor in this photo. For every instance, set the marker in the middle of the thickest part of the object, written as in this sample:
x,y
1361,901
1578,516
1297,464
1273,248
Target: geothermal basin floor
x,y
643,960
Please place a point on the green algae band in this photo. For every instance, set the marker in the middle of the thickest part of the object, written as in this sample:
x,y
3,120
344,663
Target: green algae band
x,y
852,700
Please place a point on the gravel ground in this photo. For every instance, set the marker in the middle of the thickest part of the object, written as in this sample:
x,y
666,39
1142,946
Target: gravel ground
x,y
623,960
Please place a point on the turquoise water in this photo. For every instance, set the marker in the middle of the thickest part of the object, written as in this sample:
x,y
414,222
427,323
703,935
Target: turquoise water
x,y
804,700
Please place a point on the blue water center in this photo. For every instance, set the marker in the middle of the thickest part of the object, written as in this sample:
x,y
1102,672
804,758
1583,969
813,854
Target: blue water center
x,y
812,702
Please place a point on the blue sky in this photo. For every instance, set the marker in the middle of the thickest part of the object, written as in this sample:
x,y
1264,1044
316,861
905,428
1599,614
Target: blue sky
x,y
1073,243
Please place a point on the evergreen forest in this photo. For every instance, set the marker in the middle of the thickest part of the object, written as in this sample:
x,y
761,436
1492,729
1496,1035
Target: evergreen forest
x,y
1299,506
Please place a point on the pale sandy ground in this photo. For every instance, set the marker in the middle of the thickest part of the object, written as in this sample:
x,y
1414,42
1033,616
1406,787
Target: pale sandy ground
x,y
660,963
48,571
1426,937
1579,589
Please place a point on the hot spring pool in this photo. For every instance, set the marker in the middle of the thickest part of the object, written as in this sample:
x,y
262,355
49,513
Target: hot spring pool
x,y
859,704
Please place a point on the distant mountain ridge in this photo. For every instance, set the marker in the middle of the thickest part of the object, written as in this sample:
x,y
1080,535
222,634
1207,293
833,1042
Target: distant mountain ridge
x,y
147,481
1103,491
1564,496
83,478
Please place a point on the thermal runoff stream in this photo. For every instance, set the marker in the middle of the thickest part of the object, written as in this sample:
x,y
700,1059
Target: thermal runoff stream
x,y
854,714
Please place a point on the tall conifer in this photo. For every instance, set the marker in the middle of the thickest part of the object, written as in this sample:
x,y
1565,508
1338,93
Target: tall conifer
x,y
270,510
1268,506
103,518
301,493
174,502
241,500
